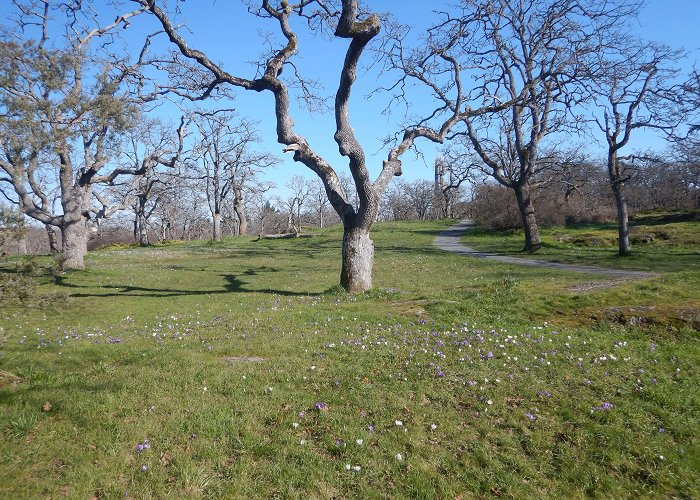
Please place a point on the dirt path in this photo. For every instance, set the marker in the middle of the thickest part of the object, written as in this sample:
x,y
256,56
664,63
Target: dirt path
x,y
449,240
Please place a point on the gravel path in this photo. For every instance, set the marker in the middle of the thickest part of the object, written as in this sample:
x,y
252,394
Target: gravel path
x,y
449,240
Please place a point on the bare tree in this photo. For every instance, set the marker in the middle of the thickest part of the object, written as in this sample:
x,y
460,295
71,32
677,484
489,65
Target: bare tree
x,y
529,54
63,107
360,29
319,201
452,170
301,191
223,159
629,91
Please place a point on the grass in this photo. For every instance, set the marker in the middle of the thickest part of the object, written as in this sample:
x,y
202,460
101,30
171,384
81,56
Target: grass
x,y
250,374
660,242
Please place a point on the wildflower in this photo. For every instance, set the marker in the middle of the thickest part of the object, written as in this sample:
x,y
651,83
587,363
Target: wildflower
x,y
295,425
398,423
433,427
530,416
356,468
144,468
302,414
359,442
398,457
321,406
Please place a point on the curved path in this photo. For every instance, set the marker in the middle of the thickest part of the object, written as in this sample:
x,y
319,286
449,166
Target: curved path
x,y
449,240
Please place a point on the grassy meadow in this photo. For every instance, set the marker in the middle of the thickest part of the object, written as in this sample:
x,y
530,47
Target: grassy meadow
x,y
239,369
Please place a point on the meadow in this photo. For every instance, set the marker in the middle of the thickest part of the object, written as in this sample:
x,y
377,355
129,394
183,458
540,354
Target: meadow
x,y
240,369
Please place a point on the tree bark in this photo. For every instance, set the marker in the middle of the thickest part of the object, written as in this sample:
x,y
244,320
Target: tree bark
x,y
617,185
240,212
75,237
22,246
143,231
623,232
527,216
217,226
358,257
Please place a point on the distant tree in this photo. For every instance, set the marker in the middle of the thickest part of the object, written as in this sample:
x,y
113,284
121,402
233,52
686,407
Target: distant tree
x,y
452,170
629,88
223,160
319,201
301,191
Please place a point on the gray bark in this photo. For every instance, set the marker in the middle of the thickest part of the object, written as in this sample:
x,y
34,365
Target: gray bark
x,y
527,215
617,185
358,257
75,238
216,218
240,211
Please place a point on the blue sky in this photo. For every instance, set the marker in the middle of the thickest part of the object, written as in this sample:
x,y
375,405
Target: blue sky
x,y
231,36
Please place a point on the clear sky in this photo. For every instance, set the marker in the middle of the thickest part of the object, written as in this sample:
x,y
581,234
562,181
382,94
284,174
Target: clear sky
x,y
231,36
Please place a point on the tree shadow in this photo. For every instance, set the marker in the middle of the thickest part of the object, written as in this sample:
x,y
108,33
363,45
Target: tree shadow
x,y
233,284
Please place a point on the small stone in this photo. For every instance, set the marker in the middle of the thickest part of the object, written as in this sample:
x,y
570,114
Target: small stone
x,y
47,407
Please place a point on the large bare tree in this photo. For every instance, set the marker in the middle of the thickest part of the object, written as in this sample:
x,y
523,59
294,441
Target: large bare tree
x,y
359,28
531,54
63,107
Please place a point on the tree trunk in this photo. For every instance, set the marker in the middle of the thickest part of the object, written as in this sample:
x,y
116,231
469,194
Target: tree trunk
x,y
143,231
240,212
527,216
53,240
74,231
217,227
617,185
623,232
75,237
358,258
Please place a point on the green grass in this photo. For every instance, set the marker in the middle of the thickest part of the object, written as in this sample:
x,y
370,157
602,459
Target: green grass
x,y
498,374
656,246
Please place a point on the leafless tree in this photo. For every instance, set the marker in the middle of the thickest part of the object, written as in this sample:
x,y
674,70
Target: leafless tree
x,y
223,160
353,24
630,92
525,56
452,171
319,201
63,106
301,192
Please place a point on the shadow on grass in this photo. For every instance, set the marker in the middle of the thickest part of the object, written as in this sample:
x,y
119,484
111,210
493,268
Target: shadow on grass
x,y
233,285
